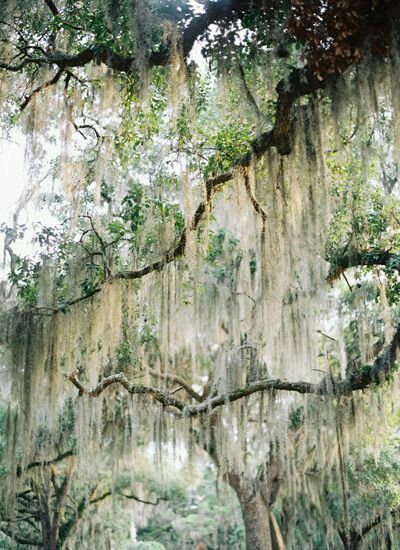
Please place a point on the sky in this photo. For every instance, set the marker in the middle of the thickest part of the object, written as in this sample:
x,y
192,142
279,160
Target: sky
x,y
12,176
12,180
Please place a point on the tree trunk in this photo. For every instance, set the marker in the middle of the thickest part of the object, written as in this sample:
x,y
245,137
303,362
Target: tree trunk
x,y
254,497
45,522
54,537
255,512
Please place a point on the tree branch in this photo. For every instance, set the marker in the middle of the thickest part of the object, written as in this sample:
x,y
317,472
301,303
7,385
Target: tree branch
x,y
354,258
131,496
134,497
249,95
359,380
305,84
175,252
52,7
256,205
41,87
20,540
377,520
177,380
43,463
357,536
100,498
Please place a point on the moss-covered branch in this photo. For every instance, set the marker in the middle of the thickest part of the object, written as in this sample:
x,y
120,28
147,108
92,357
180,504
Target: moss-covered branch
x,y
353,258
357,536
193,29
177,380
298,84
43,463
380,371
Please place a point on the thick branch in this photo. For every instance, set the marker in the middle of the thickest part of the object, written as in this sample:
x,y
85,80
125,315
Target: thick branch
x,y
357,536
43,463
380,371
52,7
362,379
212,186
366,259
376,521
257,148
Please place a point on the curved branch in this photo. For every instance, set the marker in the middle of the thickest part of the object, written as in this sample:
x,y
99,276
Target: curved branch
x,y
358,536
212,185
131,496
305,83
256,205
376,521
175,252
380,371
250,97
134,497
384,366
41,87
354,258
42,463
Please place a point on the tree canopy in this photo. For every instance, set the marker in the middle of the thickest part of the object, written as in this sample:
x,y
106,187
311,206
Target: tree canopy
x,y
203,266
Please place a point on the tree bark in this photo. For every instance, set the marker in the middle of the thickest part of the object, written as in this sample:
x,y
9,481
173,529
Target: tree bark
x,y
45,521
253,495
255,512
